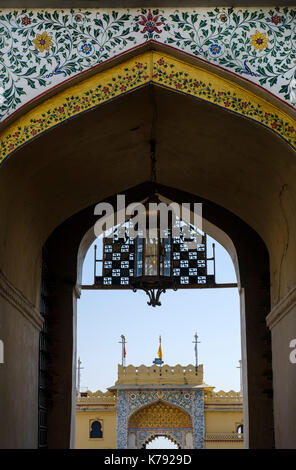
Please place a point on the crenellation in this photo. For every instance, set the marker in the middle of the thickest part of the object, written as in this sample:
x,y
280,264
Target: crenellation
x,y
161,375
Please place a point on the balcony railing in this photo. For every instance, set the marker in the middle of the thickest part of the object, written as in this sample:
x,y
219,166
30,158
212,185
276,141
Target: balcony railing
x,y
223,397
224,436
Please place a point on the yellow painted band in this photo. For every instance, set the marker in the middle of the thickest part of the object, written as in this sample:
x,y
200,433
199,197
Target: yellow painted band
x,y
149,67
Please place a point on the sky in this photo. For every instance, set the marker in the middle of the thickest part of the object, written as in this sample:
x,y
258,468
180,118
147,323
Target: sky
x,y
103,316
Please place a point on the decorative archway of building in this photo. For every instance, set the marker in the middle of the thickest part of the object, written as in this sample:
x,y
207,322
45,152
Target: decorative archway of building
x,y
167,437
233,219
145,69
160,419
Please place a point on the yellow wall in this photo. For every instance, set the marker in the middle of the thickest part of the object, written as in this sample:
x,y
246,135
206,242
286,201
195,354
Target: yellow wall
x,y
83,419
215,422
222,421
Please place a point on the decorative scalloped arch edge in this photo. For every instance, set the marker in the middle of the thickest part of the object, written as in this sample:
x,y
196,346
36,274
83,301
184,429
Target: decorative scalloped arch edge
x,y
167,435
154,68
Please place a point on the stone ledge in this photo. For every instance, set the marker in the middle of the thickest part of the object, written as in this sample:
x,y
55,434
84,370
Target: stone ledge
x,y
17,300
280,310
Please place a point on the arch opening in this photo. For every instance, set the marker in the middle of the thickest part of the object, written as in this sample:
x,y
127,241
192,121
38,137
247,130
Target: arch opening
x,y
205,167
159,419
161,442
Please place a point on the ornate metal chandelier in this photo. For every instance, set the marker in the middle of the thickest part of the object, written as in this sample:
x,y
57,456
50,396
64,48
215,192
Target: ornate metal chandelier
x,y
153,271
156,260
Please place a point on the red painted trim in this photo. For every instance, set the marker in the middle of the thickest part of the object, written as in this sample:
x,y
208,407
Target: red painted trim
x,y
151,41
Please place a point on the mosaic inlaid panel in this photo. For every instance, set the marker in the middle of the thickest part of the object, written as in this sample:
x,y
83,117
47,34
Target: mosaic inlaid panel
x,y
40,49
129,401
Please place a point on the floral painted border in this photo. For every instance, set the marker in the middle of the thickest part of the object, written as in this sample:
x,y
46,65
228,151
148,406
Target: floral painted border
x,y
42,48
149,67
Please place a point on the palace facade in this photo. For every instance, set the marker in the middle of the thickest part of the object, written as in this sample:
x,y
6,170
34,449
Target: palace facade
x,y
171,401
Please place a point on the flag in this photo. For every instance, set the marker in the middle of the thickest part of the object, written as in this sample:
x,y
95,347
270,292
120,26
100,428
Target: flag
x,y
124,351
159,349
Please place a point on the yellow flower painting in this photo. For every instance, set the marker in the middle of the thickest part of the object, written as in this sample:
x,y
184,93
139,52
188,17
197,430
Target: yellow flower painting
x,y
43,42
259,41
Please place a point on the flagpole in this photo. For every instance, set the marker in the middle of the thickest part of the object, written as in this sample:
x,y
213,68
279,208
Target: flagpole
x,y
158,360
195,350
241,376
123,351
79,376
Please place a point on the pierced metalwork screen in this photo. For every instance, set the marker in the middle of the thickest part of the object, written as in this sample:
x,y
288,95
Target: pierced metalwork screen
x,y
190,266
118,261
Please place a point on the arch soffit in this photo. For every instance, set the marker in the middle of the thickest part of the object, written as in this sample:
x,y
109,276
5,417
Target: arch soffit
x,y
154,402
148,68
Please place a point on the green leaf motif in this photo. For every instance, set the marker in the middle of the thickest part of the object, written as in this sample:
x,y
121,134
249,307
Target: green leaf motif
x,y
25,68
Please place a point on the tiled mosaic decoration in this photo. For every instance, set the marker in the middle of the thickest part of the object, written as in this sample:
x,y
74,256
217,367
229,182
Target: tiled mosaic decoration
x,y
129,401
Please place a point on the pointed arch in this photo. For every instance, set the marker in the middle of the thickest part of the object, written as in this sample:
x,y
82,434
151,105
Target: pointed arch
x,y
157,410
149,68
167,436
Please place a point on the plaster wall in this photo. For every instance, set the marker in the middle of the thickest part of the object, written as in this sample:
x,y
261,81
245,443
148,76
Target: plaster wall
x,y
283,330
83,418
18,378
222,421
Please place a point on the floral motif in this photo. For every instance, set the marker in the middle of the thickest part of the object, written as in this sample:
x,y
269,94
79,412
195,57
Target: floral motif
x,y
41,48
156,68
223,17
215,49
231,28
43,42
276,19
259,40
26,20
150,24
86,48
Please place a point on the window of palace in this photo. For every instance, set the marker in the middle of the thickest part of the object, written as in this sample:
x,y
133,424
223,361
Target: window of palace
x,y
96,431
240,429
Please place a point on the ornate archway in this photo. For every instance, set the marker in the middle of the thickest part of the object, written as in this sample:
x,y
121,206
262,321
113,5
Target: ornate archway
x,y
160,419
204,151
148,68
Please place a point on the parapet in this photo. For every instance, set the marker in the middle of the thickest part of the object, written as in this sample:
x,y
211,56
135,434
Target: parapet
x,y
97,397
173,375
222,397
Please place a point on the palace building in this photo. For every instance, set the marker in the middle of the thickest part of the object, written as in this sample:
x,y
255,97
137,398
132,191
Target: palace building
x,y
171,401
